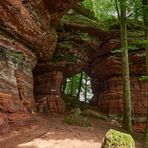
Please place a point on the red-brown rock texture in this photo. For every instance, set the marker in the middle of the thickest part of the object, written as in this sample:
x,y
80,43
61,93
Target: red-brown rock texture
x,y
107,86
107,83
30,22
30,42
28,34
47,91
16,84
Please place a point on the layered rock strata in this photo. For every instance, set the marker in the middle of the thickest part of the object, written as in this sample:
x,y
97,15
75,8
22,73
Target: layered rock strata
x,y
16,84
47,91
107,86
27,36
30,41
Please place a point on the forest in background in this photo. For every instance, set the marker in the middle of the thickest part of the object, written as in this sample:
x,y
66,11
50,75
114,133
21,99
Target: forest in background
x,y
105,14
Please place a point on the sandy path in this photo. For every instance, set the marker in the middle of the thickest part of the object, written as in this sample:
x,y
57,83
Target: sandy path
x,y
51,132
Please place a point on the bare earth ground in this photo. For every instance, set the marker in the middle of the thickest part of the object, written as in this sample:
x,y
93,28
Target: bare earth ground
x,y
51,132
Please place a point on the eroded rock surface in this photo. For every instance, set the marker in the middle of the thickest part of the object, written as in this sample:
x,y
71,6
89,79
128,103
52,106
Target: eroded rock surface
x,y
33,37
16,84
30,22
27,36
47,91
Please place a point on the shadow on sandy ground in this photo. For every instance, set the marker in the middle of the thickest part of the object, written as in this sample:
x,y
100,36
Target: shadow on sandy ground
x,y
51,132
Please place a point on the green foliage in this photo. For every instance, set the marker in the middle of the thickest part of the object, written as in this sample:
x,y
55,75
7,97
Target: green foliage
x,y
100,8
134,25
130,48
141,43
143,78
76,80
76,120
106,10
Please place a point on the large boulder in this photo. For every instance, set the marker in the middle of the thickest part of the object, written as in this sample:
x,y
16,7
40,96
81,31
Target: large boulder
x,y
77,120
116,139
94,114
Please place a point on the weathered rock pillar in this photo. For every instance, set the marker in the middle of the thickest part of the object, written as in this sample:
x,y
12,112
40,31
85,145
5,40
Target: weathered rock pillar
x,y
47,91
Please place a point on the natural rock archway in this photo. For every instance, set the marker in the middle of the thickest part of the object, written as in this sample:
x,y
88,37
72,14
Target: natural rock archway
x,y
35,37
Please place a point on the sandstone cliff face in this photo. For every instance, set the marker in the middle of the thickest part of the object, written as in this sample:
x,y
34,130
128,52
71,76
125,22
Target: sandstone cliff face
x,y
31,23
34,38
16,84
27,37
106,84
103,64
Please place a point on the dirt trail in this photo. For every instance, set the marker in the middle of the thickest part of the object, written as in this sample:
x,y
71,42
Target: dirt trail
x,y
51,132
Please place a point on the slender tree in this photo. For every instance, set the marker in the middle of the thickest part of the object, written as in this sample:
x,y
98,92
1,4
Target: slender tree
x,y
136,6
80,85
72,86
145,18
64,85
125,65
85,94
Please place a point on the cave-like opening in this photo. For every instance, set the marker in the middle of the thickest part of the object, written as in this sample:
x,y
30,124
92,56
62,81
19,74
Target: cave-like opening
x,y
78,86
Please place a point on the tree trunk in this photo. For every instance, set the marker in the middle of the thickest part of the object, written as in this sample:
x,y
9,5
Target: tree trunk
x,y
64,85
117,8
72,87
80,84
136,10
145,18
85,95
125,69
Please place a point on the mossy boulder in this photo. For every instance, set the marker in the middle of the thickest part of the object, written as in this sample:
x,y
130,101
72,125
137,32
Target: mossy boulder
x,y
77,120
76,111
94,114
116,139
71,101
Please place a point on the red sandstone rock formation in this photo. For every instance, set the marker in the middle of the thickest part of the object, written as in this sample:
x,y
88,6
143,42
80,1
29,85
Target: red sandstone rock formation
x,y
107,84
47,91
16,84
29,22
27,35
107,87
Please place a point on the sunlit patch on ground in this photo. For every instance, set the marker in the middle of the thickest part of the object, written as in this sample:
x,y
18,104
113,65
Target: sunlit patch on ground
x,y
44,142
52,132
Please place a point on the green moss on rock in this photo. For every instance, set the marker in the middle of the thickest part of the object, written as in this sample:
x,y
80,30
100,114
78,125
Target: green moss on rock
x,y
77,120
116,139
71,101
93,114
76,111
